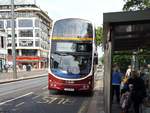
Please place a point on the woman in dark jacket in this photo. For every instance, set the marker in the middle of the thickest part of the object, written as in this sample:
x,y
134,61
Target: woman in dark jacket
x,y
138,91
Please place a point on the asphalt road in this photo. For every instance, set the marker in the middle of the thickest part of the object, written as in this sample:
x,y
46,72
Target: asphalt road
x,y
32,96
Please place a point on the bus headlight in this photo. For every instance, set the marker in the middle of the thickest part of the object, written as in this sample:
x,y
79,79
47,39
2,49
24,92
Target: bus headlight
x,y
86,87
89,82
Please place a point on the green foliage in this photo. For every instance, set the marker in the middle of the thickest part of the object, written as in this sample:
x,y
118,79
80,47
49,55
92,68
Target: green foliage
x,y
144,59
132,5
122,60
99,35
102,59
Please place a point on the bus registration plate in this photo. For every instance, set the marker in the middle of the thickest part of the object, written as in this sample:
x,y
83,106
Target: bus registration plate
x,y
69,89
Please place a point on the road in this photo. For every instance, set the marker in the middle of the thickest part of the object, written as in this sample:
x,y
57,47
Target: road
x,y
32,96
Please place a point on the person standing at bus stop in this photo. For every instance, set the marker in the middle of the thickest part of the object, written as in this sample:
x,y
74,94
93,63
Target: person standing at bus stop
x,y
116,81
138,92
128,72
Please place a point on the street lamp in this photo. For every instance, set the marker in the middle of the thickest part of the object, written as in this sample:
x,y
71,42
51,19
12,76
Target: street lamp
x,y
13,40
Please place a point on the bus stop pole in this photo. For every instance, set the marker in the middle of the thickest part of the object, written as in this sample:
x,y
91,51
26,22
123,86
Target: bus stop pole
x,y
13,40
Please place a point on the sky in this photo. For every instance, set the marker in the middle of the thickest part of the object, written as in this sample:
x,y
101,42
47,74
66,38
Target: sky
x,y
86,9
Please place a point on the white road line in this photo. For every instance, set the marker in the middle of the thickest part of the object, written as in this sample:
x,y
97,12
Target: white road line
x,y
2,103
19,104
35,97
44,87
62,100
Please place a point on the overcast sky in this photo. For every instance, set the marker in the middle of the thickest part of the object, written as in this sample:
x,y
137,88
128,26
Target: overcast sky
x,y
87,9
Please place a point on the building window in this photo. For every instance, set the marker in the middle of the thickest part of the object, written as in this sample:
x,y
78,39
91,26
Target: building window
x,y
1,42
26,33
37,43
44,27
37,23
9,43
8,24
28,52
10,33
37,33
26,43
9,52
25,23
17,52
1,24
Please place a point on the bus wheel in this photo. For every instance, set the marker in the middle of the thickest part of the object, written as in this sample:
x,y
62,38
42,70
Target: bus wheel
x,y
53,92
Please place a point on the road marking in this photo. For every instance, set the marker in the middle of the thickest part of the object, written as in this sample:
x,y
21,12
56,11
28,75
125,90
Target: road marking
x,y
44,87
2,103
83,107
61,101
44,100
19,104
56,100
52,100
68,101
36,97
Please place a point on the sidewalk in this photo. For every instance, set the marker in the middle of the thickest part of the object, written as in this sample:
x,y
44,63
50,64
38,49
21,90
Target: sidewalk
x,y
22,74
97,103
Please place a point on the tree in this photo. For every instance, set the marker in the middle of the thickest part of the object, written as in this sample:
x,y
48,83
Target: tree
x,y
101,59
122,60
99,35
132,5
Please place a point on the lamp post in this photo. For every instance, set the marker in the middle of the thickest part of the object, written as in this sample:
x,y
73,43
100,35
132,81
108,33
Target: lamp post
x,y
13,40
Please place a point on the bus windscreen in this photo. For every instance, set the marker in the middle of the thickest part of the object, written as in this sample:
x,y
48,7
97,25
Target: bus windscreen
x,y
72,28
71,48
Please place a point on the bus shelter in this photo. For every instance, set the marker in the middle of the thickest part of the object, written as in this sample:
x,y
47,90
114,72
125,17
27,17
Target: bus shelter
x,y
123,31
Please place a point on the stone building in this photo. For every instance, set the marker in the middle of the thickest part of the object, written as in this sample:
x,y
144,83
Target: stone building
x,y
32,29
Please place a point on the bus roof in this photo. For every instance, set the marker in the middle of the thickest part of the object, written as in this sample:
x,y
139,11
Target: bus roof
x,y
74,19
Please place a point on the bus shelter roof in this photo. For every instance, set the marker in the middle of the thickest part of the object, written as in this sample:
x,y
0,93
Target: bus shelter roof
x,y
127,30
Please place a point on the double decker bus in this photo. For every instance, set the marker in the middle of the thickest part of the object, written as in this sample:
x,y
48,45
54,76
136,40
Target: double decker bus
x,y
72,48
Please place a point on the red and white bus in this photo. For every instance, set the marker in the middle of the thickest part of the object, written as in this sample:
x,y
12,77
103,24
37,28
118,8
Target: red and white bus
x,y
72,48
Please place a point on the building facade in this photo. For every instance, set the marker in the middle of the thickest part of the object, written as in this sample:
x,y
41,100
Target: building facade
x,y
32,29
3,50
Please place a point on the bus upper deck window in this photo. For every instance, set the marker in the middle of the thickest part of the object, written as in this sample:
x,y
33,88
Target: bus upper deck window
x,y
84,47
